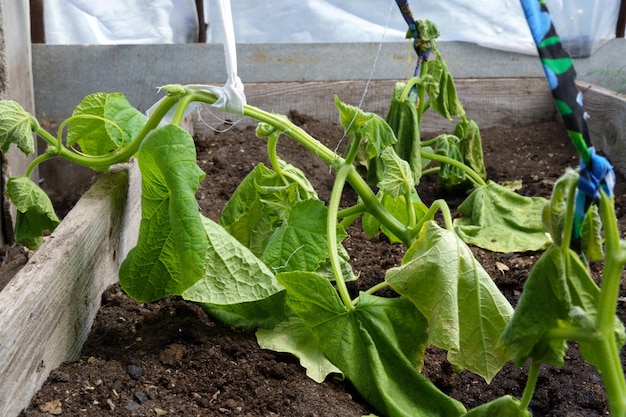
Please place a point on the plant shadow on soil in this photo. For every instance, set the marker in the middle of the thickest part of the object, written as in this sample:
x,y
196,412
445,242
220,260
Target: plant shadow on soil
x,y
169,358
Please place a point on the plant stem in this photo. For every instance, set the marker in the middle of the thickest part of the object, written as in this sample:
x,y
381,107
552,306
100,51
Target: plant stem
x,y
474,177
120,155
531,383
331,227
608,355
272,145
331,158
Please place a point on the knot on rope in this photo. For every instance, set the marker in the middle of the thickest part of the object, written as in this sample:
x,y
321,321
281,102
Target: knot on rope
x,y
595,175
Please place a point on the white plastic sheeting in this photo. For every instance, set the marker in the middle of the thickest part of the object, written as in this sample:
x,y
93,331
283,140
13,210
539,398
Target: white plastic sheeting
x,y
500,24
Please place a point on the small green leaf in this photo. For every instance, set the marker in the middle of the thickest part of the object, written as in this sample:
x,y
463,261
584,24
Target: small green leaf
x,y
553,215
397,177
35,213
104,122
592,239
506,406
170,254
397,207
261,200
471,146
450,176
16,126
500,220
403,119
465,310
369,130
379,345
442,96
300,242
295,337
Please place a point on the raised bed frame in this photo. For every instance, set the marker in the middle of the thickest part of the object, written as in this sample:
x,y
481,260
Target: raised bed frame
x,y
47,310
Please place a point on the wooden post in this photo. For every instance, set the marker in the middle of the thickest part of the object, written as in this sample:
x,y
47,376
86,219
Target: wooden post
x,y
16,83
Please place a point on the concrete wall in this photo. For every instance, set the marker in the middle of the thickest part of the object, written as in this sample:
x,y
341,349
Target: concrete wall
x,y
16,83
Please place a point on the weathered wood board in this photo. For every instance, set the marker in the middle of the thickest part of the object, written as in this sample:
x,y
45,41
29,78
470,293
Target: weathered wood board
x,y
47,310
607,122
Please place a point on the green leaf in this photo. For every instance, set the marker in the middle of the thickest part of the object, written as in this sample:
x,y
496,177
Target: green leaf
x,y
471,146
264,314
35,213
262,200
237,288
379,345
397,177
16,126
554,213
232,275
465,310
104,122
397,207
300,242
295,337
369,130
442,96
592,239
403,119
505,406
450,176
500,220
170,254
559,292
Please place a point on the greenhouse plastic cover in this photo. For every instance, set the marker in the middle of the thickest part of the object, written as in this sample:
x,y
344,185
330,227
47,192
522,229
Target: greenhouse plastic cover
x,y
498,24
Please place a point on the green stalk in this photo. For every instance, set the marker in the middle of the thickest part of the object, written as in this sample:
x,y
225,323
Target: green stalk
x,y
272,153
331,158
531,383
609,364
122,154
473,176
331,227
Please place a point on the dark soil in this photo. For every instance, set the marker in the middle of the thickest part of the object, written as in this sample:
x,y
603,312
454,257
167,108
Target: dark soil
x,y
170,359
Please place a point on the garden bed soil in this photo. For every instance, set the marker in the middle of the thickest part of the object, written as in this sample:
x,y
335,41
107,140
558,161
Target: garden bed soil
x,y
169,359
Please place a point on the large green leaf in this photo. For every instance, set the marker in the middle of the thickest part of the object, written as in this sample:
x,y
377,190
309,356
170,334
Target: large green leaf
x,y
103,122
558,293
35,213
170,254
236,287
294,336
465,310
500,220
233,275
378,345
300,242
16,126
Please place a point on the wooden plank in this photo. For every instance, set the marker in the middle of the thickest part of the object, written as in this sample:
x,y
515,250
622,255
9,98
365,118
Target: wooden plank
x,y
491,102
16,83
47,310
607,119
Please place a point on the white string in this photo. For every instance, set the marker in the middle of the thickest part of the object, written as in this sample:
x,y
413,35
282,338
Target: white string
x,y
371,75
230,123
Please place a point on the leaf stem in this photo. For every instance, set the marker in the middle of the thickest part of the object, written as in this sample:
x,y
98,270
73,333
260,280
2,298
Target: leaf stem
x,y
531,383
609,363
474,177
331,226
